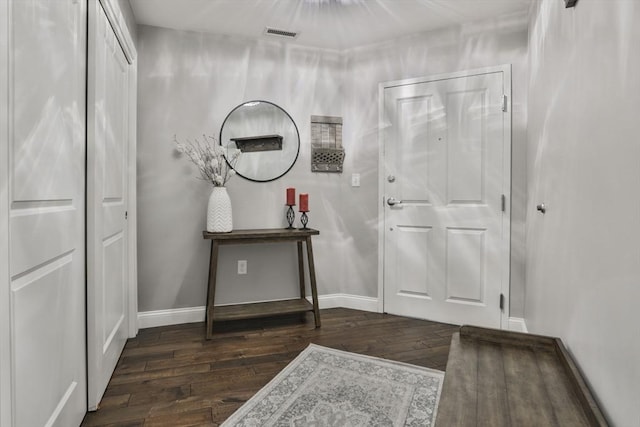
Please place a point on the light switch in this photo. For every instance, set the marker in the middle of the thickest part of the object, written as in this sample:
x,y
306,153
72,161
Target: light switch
x,y
355,180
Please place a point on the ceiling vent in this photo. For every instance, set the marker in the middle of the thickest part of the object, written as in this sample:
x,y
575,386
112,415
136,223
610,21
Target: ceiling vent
x,y
280,33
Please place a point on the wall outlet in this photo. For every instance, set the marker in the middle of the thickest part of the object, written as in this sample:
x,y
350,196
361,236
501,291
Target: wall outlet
x,y
355,180
242,266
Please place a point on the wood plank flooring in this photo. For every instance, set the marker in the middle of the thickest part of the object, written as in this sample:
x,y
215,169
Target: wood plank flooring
x,y
172,376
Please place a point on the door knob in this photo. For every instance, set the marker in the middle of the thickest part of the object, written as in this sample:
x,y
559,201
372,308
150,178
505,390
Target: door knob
x,y
391,178
541,208
391,201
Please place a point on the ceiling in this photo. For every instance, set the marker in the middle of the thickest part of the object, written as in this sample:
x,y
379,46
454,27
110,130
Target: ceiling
x,y
332,24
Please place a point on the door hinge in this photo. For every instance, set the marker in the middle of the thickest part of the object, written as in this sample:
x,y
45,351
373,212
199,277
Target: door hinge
x,y
126,214
501,302
503,200
504,103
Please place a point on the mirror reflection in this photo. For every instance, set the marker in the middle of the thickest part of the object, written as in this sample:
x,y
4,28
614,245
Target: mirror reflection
x,y
267,137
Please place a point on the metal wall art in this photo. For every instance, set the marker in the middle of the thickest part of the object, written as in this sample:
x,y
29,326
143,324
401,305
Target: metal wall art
x,y
327,153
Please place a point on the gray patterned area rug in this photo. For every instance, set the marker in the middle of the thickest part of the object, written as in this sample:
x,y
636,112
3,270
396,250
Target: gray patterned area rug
x,y
323,387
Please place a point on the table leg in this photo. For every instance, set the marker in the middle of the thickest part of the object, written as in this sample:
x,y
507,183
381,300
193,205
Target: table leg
x,y
301,271
211,290
312,277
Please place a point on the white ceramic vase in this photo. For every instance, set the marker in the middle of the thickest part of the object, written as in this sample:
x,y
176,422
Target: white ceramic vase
x,y
219,217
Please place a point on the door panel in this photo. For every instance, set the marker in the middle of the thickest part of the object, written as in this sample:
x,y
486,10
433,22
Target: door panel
x,y
466,111
413,264
107,203
443,241
48,159
115,76
415,131
38,222
465,274
46,223
113,273
48,286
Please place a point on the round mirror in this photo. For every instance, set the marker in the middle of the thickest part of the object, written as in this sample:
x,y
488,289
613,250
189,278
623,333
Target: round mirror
x,y
267,137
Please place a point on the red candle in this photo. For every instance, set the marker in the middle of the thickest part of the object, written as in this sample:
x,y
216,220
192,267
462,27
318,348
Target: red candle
x,y
304,202
291,196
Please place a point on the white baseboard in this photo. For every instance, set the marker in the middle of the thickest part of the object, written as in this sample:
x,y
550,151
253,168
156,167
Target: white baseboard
x,y
355,302
176,316
517,324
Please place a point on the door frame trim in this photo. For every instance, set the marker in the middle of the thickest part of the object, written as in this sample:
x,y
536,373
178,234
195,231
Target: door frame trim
x,y
506,180
6,373
119,25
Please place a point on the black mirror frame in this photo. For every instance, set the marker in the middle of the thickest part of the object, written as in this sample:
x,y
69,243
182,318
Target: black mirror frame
x,y
294,125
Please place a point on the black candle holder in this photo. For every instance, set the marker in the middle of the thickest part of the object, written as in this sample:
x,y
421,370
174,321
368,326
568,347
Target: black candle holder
x,y
291,216
304,219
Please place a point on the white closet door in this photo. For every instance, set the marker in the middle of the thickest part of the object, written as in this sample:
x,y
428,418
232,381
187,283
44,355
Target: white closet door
x,y
107,231
46,184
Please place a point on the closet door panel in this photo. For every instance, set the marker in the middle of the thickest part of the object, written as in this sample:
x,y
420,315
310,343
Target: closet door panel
x,y
107,230
47,60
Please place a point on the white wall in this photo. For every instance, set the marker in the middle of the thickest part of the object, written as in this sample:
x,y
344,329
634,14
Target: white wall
x,y
583,255
188,82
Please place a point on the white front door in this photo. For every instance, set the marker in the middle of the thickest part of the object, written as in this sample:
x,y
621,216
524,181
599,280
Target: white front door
x,y
46,184
446,179
107,179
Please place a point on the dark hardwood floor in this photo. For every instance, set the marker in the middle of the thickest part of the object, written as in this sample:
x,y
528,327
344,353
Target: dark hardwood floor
x,y
172,376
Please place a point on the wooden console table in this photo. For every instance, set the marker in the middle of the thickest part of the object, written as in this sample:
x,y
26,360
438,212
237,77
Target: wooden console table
x,y
263,309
